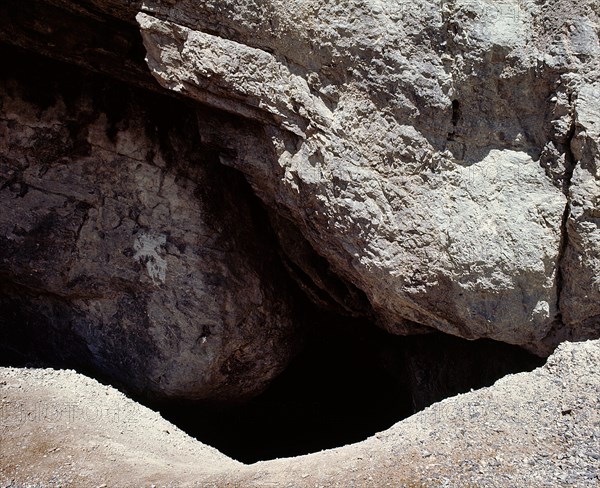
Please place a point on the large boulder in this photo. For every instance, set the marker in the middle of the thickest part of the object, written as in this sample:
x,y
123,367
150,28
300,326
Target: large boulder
x,y
126,249
424,149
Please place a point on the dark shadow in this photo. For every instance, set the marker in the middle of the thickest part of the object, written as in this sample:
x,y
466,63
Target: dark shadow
x,y
337,391
350,382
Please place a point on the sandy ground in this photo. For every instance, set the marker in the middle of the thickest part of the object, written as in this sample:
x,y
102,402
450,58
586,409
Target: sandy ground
x,y
59,428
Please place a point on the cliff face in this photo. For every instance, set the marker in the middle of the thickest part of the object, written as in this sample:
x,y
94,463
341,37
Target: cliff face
x,y
441,157
127,247
426,165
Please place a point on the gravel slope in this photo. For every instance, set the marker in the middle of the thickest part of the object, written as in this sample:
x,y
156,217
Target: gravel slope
x,y
59,428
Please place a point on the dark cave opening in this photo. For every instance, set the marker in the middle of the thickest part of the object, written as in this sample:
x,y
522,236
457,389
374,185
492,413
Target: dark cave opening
x,y
335,392
351,381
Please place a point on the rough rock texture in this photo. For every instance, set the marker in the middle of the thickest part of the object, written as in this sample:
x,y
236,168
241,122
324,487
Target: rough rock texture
x,y
580,299
441,156
428,165
126,248
59,428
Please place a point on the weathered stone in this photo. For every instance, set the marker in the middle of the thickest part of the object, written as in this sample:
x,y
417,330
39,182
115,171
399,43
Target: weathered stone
x,y
580,296
125,247
422,149
429,164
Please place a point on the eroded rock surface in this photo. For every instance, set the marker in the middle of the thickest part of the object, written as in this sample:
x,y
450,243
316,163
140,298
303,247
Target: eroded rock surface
x,y
426,150
126,248
426,165
581,267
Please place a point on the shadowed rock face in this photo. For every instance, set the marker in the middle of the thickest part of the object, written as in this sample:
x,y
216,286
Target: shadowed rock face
x,y
126,247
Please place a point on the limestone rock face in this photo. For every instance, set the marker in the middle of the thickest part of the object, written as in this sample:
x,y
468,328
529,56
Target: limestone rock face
x,y
580,298
426,164
126,248
441,156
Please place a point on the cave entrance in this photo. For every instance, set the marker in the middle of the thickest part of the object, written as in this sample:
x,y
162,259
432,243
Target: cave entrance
x,y
334,393
351,381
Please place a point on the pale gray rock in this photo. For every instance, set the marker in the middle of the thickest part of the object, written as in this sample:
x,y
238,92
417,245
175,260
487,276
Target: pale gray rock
x,y
423,149
126,248
429,164
580,297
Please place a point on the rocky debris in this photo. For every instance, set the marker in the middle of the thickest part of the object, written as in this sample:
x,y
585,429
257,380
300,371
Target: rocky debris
x,y
529,429
126,249
425,165
59,428
424,150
